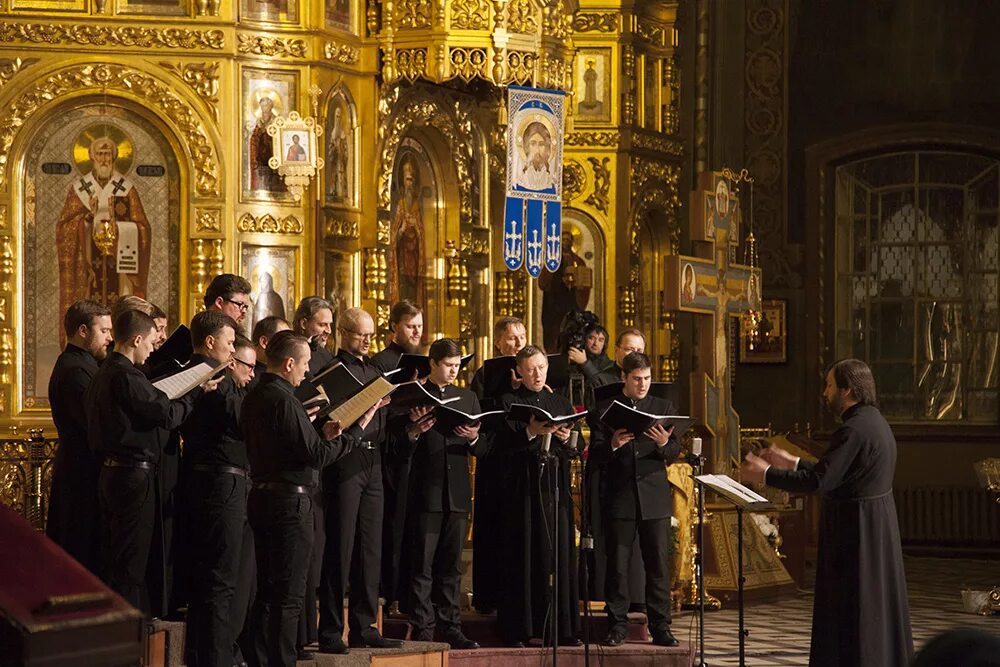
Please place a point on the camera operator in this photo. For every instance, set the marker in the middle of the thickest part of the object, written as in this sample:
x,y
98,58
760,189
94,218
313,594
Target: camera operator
x,y
584,340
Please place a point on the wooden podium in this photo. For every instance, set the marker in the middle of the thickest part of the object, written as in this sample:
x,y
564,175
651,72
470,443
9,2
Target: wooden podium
x,y
53,611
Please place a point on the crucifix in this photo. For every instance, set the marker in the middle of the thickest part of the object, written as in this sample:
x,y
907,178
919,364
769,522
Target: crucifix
x,y
711,284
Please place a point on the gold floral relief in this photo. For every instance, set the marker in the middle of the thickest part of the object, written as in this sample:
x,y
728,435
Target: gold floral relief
x,y
268,224
96,35
202,78
262,45
470,14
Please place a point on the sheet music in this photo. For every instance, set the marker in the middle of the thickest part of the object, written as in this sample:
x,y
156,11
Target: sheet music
x,y
178,384
353,408
726,483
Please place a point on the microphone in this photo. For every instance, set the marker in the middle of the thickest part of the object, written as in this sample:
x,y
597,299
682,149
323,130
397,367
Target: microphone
x,y
694,458
546,442
573,437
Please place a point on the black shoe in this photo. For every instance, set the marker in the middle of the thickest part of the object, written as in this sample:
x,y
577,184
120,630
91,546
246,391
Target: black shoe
x,y
570,641
375,640
663,637
338,648
517,643
303,654
615,636
460,642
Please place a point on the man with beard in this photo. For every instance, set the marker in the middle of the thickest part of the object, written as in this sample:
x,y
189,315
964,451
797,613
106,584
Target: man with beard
x,y
102,201
124,413
635,501
216,472
860,612
354,503
529,526
440,501
230,294
407,324
73,510
314,320
509,337
535,172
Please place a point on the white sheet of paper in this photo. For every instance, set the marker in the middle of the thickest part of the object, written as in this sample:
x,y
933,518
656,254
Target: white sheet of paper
x,y
178,384
734,487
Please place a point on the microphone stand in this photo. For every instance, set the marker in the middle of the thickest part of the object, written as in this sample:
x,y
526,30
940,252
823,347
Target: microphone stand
x,y
586,550
697,462
545,455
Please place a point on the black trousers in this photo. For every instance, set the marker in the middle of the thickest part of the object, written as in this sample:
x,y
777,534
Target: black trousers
x,y
307,632
487,538
283,535
74,510
436,578
246,592
654,542
353,489
394,581
218,506
128,505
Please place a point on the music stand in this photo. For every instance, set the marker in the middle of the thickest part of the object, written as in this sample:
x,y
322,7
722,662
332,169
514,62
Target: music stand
x,y
745,500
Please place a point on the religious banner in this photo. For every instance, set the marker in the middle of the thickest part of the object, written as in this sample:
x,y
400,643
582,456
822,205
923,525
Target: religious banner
x,y
533,215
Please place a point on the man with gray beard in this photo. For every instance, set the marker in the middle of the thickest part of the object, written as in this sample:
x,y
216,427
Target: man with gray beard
x,y
102,200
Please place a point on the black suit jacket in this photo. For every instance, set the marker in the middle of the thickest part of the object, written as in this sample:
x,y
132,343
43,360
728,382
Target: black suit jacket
x,y
71,376
634,481
439,473
388,359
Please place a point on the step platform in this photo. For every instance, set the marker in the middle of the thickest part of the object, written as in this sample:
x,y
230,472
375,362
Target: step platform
x,y
413,654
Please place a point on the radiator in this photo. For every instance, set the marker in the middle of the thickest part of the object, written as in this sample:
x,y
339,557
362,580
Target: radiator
x,y
948,516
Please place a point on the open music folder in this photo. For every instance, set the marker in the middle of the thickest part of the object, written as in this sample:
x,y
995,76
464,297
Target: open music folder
x,y
743,497
178,384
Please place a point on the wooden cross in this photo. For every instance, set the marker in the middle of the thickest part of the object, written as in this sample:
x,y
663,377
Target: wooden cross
x,y
712,284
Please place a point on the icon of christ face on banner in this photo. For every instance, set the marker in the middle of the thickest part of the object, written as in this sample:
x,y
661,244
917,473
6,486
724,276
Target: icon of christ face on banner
x,y
102,235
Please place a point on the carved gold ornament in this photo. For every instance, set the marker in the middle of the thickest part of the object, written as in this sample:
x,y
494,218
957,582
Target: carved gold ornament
x,y
602,184
268,224
106,77
341,53
203,78
166,38
595,22
295,156
262,45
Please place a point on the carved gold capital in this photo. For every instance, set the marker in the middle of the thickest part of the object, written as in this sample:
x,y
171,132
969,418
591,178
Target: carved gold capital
x,y
593,139
208,220
337,228
203,79
263,45
596,21
96,35
268,224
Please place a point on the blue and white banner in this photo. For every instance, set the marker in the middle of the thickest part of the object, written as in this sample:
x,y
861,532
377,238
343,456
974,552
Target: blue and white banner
x,y
533,215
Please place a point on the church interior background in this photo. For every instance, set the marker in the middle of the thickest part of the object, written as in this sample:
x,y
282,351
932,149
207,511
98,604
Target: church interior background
x,y
869,129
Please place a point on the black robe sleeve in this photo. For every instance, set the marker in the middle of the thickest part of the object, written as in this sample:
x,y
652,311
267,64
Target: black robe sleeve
x,y
828,473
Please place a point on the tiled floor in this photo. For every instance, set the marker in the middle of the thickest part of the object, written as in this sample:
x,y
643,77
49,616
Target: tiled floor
x,y
779,632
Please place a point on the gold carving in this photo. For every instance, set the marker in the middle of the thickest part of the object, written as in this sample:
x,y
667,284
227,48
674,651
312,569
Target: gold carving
x,y
468,64
411,63
382,236
596,22
262,45
473,247
3,218
268,224
574,179
208,220
593,139
376,274
216,257
203,79
602,184
520,66
342,53
166,38
102,78
521,17
199,267
11,66
413,14
654,33
470,14
657,142
341,229
7,264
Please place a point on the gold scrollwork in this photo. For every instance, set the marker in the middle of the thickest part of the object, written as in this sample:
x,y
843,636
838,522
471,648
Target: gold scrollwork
x,y
337,228
262,45
167,38
413,14
9,67
3,218
105,77
268,224
602,184
653,32
208,220
596,22
468,64
203,78
470,14
593,139
341,53
520,66
7,263
411,63
574,179
521,17
657,142
382,236
473,247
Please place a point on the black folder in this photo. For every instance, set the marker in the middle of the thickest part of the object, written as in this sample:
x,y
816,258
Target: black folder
x,y
496,375
448,418
618,415
338,384
176,350
558,374
410,395
520,412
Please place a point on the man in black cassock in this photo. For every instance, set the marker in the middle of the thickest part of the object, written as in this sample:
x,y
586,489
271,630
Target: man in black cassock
x,y
636,502
528,527
440,498
509,337
216,484
124,413
352,489
73,520
861,616
407,324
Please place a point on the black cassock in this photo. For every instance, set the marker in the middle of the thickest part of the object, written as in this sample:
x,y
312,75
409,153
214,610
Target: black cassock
x,y
527,526
861,616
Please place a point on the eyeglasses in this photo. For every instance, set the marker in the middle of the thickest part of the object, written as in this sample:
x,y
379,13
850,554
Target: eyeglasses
x,y
245,363
240,304
362,336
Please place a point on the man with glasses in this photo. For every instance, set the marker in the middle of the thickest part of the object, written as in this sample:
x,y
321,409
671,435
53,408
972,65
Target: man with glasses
x,y
230,294
354,504
314,320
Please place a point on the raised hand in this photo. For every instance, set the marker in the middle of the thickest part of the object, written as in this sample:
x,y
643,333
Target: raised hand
x,y
753,469
621,438
576,355
779,458
331,430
